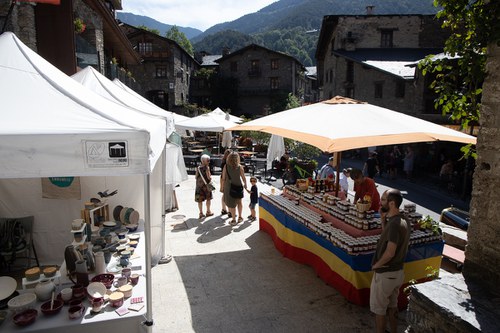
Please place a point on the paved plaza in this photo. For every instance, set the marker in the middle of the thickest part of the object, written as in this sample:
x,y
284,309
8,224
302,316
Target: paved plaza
x,y
232,279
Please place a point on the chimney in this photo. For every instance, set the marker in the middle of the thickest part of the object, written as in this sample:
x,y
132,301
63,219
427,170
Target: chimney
x,y
225,51
370,10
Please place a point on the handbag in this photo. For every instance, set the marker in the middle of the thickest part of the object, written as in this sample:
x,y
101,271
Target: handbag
x,y
210,185
235,191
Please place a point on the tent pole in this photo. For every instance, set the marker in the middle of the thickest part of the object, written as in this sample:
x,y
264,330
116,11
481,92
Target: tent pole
x,y
147,233
337,179
163,198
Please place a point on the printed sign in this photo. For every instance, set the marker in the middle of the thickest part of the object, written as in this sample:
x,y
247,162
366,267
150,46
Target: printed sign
x,y
61,188
105,154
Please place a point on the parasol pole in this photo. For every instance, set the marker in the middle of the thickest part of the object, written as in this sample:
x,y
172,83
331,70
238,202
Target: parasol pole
x,y
337,179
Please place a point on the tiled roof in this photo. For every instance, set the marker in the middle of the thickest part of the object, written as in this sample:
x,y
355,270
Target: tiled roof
x,y
393,61
209,60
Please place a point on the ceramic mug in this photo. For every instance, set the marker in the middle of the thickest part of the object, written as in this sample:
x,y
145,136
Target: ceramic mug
x,y
76,312
75,302
122,280
77,224
66,294
134,279
78,291
127,271
97,304
124,262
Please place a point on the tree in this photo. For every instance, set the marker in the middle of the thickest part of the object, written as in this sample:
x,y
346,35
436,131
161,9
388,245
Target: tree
x,y
460,74
155,31
178,36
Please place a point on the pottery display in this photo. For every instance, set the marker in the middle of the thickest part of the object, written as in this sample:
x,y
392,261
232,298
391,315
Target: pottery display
x,y
25,318
22,302
97,304
116,299
76,312
50,311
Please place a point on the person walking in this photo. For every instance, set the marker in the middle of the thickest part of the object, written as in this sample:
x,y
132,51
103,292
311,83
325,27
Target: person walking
x,y
233,181
202,191
222,165
388,261
254,198
408,162
371,167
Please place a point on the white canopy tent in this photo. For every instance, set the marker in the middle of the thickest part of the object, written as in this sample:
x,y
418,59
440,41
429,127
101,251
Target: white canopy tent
x,y
64,129
206,123
225,115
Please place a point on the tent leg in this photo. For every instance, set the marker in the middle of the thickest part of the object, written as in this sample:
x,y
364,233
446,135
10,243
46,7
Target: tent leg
x,y
337,179
165,258
148,323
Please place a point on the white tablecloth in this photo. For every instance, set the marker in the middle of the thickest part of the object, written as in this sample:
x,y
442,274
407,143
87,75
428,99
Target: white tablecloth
x,y
106,321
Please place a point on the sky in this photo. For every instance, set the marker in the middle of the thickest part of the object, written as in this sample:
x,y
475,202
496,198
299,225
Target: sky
x,y
199,14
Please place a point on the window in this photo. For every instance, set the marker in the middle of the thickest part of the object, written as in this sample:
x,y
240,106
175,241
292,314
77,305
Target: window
x,y
254,68
234,66
350,71
275,64
161,72
275,83
386,38
400,89
145,48
379,89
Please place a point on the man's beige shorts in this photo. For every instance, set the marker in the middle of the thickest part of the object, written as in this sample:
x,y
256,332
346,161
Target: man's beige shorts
x,y
384,291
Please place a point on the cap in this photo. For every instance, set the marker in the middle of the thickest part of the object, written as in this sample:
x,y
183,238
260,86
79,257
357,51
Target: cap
x,y
347,170
330,159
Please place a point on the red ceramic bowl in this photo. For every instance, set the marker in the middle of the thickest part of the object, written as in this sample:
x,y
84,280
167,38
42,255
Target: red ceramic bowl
x,y
58,304
106,279
25,318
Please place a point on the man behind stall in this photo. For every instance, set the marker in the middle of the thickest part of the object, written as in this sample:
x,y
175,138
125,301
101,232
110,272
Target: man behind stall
x,y
388,261
364,186
327,170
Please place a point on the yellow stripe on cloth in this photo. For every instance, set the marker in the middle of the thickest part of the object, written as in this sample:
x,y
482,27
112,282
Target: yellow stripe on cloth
x,y
413,270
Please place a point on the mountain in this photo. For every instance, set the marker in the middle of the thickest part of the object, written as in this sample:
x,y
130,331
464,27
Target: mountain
x,y
137,20
309,14
292,26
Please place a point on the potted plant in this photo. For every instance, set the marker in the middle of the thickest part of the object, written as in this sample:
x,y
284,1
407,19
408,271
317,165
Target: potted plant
x,y
79,25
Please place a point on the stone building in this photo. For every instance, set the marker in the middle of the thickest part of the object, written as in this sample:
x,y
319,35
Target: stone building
x,y
372,58
166,70
53,32
262,77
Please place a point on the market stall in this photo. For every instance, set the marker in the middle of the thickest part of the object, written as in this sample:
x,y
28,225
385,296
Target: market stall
x,y
339,251
310,236
66,130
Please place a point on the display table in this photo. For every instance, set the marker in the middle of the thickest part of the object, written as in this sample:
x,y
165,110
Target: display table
x,y
105,321
350,274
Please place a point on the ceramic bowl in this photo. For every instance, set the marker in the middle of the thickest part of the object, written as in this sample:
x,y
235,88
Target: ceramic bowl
x,y
96,290
56,307
25,318
116,299
121,248
134,237
106,279
126,290
22,302
76,312
109,224
132,227
133,243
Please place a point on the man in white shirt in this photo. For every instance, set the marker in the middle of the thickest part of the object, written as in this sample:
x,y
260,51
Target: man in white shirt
x,y
344,176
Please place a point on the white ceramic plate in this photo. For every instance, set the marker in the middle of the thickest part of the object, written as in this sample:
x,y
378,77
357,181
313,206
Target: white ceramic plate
x,y
7,286
122,214
109,224
134,217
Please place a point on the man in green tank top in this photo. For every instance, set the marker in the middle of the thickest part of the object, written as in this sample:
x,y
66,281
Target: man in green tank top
x,y
388,261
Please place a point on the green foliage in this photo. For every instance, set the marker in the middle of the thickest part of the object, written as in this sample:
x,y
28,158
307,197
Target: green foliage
x,y
260,138
205,73
143,27
176,35
214,44
458,81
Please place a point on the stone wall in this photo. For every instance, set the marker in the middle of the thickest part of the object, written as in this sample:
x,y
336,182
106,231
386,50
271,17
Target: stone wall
x,y
482,255
21,22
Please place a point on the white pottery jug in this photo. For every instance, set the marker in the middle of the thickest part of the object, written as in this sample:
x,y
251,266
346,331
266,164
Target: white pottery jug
x,y
43,289
100,264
